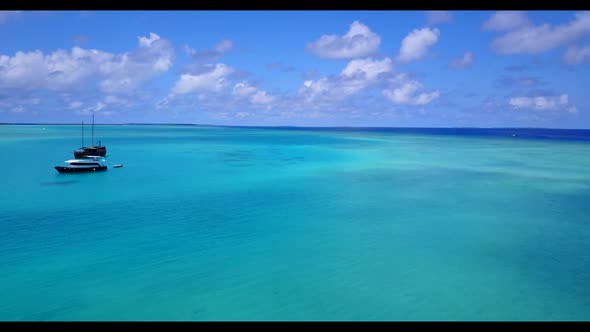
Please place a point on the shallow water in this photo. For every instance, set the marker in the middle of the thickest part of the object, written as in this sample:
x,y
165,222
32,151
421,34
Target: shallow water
x,y
213,223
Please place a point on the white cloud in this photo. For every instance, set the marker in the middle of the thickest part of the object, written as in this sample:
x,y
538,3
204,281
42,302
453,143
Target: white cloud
x,y
253,94
9,101
91,109
511,81
359,41
416,44
100,105
114,100
7,15
189,50
368,68
398,79
213,80
147,41
426,98
438,16
79,39
541,103
463,62
226,103
222,48
506,20
117,84
75,105
243,89
406,92
575,55
63,70
18,109
541,38
403,94
357,75
261,97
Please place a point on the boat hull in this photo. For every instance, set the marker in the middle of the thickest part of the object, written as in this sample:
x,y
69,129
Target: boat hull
x,y
66,169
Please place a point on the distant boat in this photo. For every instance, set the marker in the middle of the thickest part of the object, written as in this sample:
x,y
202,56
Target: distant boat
x,y
92,150
83,165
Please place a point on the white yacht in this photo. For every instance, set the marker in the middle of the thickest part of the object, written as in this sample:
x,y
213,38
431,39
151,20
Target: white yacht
x,y
83,165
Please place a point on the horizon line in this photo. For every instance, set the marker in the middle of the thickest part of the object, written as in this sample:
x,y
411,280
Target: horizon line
x,y
271,126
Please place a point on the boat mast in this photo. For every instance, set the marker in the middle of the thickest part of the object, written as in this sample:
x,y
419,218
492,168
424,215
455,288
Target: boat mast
x,y
92,128
82,133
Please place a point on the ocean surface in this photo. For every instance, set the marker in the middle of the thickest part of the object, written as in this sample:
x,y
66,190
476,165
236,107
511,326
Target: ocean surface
x,y
220,223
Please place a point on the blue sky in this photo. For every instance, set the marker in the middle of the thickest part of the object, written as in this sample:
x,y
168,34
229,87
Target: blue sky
x,y
303,68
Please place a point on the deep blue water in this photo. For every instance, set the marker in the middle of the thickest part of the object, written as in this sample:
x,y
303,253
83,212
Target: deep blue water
x,y
533,133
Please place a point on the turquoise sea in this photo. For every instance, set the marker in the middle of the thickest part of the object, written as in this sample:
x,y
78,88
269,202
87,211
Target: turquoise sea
x,y
220,223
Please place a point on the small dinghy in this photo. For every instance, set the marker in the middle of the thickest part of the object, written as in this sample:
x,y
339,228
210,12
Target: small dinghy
x,y
117,166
